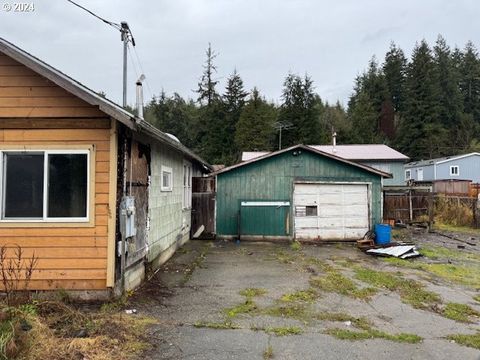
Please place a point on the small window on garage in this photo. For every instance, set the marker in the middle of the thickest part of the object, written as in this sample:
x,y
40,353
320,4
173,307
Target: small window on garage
x,y
309,210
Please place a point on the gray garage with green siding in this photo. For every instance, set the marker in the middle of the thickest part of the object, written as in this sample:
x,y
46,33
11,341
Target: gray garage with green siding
x,y
298,193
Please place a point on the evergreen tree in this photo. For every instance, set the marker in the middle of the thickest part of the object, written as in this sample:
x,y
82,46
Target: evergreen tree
x,y
334,119
364,119
172,115
450,99
421,133
206,87
234,101
394,69
299,110
470,81
254,130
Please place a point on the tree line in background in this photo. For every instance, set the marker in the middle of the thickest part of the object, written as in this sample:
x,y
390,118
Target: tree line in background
x,y
426,106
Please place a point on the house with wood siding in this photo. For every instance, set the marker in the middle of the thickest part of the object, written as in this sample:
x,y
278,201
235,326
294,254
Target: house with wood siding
x,y
96,193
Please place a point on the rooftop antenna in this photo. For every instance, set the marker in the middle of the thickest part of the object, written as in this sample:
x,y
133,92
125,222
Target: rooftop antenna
x,y
126,37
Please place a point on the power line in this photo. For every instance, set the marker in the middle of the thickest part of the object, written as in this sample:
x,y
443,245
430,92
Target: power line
x,y
111,23
143,71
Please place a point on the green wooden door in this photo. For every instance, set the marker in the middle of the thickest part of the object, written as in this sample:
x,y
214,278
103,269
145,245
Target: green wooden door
x,y
267,218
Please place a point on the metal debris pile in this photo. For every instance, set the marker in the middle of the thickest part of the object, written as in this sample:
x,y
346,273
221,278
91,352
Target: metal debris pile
x,y
398,251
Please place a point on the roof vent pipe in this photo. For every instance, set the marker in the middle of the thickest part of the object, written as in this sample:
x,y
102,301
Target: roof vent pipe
x,y
334,142
140,96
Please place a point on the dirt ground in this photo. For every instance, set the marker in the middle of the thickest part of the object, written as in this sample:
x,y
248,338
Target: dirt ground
x,y
222,300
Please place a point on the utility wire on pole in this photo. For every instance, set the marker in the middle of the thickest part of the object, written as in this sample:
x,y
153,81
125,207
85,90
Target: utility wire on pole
x,y
282,125
126,37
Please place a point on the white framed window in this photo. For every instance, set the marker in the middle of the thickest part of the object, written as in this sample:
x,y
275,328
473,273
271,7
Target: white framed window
x,y
187,185
455,170
167,179
408,174
420,174
44,185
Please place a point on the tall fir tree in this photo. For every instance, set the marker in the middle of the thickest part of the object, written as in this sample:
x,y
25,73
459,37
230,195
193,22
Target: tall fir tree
x,y
470,81
394,69
255,127
299,112
421,133
206,87
234,101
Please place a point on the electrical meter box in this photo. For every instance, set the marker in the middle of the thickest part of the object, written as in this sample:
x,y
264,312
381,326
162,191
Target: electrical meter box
x,y
127,217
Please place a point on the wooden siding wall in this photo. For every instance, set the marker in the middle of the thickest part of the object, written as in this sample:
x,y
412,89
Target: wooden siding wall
x,y
36,112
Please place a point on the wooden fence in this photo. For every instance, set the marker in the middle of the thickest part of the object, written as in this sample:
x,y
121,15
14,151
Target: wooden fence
x,y
412,206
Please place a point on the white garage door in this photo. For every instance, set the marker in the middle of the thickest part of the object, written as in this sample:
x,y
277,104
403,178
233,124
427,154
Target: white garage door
x,y
331,211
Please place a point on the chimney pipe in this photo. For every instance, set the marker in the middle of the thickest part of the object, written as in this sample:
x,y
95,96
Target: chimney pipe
x,y
334,142
140,96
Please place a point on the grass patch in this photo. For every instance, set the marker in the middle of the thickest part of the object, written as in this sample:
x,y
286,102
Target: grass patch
x,y
320,264
477,298
437,252
307,296
284,330
411,292
464,274
359,323
247,307
287,258
252,292
345,334
460,229
59,331
472,341
294,311
226,325
268,353
335,282
459,312
295,246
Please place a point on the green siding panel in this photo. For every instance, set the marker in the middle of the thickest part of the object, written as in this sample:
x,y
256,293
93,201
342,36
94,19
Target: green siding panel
x,y
272,179
264,220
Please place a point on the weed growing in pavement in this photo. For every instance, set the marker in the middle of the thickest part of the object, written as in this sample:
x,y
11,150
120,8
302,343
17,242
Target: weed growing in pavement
x,y
268,353
459,312
359,323
247,307
411,292
472,340
295,246
293,311
335,282
345,334
226,325
284,330
252,292
195,264
306,296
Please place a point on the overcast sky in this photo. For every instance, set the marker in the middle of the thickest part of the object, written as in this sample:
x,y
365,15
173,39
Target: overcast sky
x,y
264,40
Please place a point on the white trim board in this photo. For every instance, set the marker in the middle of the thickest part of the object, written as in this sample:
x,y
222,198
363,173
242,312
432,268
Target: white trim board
x,y
265,203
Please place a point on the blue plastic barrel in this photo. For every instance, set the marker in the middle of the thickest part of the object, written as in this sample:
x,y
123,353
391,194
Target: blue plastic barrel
x,y
383,233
